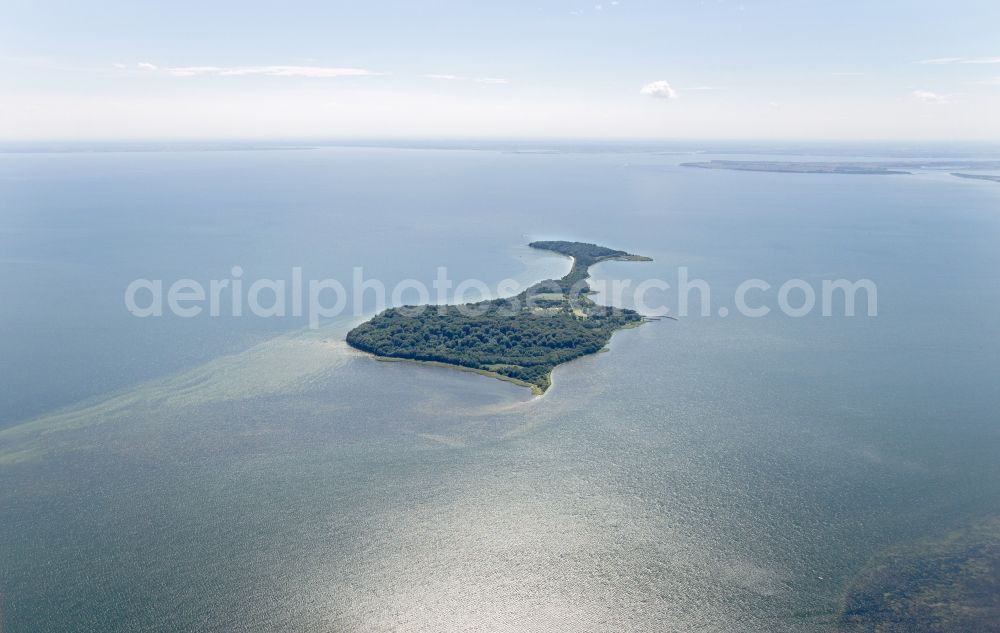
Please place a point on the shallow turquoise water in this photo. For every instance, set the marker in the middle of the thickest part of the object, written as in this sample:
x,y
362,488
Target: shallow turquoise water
x,y
709,474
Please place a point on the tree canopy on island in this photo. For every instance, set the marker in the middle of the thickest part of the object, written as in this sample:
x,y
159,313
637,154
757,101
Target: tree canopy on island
x,y
522,337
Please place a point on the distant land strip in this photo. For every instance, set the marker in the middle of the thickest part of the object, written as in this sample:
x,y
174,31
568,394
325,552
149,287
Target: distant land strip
x,y
864,168
990,177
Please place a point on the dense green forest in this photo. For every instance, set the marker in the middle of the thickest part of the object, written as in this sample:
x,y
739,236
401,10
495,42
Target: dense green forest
x,y
522,337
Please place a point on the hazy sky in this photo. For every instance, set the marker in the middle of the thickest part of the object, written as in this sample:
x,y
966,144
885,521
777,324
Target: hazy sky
x,y
788,69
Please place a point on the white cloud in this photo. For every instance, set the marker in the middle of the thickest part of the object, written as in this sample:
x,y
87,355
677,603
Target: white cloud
x,y
479,80
298,71
659,90
270,71
960,60
930,97
191,71
940,60
990,82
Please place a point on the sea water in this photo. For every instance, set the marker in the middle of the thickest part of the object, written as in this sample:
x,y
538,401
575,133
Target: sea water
x,y
707,474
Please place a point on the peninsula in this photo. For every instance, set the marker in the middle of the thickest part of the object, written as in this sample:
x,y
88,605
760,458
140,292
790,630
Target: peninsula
x,y
904,167
519,339
989,177
800,167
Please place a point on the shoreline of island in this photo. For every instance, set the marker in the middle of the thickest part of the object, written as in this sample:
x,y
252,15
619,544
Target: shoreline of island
x,y
535,389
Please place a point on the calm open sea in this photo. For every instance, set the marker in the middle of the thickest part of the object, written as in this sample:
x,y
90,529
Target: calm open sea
x,y
709,474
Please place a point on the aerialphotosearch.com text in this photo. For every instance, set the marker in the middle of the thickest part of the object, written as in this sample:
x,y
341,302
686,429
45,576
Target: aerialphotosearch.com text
x,y
316,300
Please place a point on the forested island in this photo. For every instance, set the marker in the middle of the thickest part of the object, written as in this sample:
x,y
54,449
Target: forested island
x,y
520,338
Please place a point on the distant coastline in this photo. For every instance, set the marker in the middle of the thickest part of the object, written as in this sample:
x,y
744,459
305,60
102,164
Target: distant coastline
x,y
798,167
878,168
988,177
